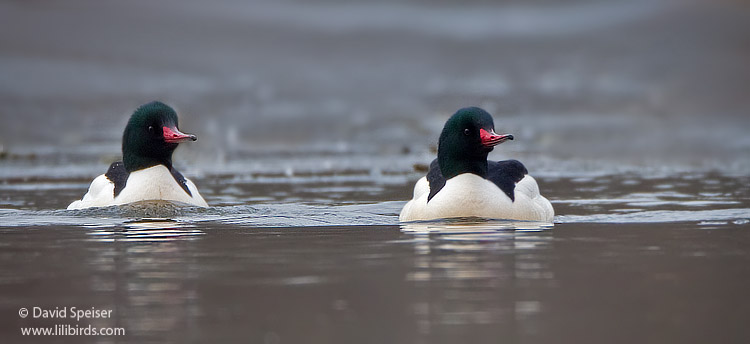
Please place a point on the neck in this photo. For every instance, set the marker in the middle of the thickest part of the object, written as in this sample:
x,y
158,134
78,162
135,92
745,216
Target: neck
x,y
134,162
453,166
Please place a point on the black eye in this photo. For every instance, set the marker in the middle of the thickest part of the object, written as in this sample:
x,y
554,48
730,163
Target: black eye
x,y
151,129
467,132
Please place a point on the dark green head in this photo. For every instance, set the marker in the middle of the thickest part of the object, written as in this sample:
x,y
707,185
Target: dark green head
x,y
151,136
467,138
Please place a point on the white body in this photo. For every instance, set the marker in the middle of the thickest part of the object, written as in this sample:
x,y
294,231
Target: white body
x,y
153,183
469,195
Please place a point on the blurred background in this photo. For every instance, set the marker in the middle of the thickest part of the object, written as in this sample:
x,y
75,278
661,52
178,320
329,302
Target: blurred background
x,y
288,86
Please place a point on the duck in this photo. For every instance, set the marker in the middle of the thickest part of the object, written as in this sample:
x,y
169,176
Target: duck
x,y
461,182
145,172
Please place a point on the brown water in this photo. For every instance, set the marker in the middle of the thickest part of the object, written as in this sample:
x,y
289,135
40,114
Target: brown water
x,y
378,284
314,121
644,260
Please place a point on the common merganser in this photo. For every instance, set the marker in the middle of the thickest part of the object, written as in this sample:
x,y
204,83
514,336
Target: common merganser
x,y
462,183
146,171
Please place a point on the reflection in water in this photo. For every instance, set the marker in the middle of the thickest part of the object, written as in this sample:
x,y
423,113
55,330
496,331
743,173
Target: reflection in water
x,y
473,273
473,227
146,267
148,229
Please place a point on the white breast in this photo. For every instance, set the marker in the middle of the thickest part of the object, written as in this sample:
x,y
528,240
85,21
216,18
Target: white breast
x,y
469,195
153,183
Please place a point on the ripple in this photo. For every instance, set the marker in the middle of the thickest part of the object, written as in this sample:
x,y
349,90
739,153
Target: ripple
x,y
660,216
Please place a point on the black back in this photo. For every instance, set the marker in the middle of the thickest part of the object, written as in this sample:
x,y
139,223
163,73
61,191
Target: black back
x,y
505,174
435,179
118,175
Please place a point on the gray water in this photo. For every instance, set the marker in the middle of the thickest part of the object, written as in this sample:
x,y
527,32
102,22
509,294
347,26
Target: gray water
x,y
314,120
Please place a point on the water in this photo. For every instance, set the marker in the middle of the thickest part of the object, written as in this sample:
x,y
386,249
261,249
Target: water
x,y
654,259
314,120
